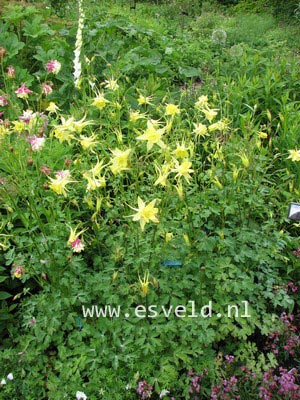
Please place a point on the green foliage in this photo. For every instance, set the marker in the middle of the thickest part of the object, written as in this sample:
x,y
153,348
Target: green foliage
x,y
285,9
252,6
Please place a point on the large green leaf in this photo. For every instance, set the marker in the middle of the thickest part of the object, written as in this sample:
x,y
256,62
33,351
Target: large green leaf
x,y
12,44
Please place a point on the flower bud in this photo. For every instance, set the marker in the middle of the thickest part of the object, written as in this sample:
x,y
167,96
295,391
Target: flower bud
x,y
2,52
11,72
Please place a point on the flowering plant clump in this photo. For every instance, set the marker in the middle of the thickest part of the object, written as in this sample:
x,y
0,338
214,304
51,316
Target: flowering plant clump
x,y
196,382
286,341
141,183
284,384
227,390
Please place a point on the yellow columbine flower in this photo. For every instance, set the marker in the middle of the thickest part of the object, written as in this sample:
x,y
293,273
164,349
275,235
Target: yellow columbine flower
x,y
168,237
202,102
245,160
4,130
52,108
58,185
210,113
144,284
263,135
100,101
218,126
187,239
163,173
145,213
221,234
179,189
19,126
183,169
93,182
172,109
115,275
235,173
97,168
111,84
218,154
136,115
65,131
217,182
88,142
74,241
169,126
200,130
152,135
144,100
294,155
79,125
117,105
181,151
120,160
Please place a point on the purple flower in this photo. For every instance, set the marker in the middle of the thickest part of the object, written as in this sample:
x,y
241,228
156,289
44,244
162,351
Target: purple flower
x,y
229,359
144,390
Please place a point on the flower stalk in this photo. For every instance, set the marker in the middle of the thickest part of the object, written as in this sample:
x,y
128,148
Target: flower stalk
x,y
78,46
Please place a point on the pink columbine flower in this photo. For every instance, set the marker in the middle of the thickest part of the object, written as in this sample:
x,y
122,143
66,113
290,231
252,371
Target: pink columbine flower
x,y
62,174
18,272
53,66
11,72
45,170
77,245
26,117
46,89
74,241
36,143
23,91
3,101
